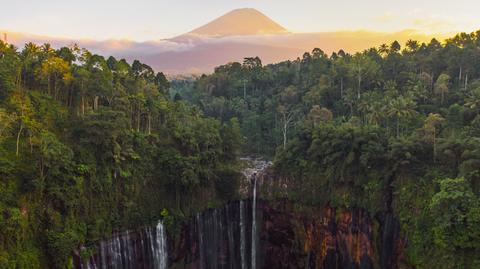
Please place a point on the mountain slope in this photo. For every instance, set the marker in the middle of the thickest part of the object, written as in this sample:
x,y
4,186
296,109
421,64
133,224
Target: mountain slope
x,y
203,58
245,21
202,54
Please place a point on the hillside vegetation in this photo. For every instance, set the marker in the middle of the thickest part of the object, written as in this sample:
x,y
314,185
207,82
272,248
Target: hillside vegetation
x,y
390,129
90,146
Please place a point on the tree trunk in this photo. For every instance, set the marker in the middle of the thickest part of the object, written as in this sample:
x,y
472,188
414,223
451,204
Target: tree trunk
x,y
466,82
18,78
285,127
460,77
18,138
83,106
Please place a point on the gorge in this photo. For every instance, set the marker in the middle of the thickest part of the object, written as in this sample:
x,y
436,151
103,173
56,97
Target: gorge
x,y
258,233
375,160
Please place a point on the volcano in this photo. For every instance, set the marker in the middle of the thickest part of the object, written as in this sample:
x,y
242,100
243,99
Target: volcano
x,y
240,33
238,22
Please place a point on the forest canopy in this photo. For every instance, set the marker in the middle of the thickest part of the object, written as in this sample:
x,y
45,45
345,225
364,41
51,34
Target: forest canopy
x,y
391,129
92,145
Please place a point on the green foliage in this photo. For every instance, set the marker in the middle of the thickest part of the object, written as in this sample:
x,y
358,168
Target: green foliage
x,y
457,212
376,129
227,183
90,146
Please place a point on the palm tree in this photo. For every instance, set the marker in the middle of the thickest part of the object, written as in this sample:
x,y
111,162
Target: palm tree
x,y
376,113
363,107
412,45
441,86
472,100
29,55
47,49
430,126
383,49
401,108
361,67
349,99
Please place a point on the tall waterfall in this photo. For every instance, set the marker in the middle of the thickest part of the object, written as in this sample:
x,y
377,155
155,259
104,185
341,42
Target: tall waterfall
x,y
254,224
220,238
146,248
160,259
242,235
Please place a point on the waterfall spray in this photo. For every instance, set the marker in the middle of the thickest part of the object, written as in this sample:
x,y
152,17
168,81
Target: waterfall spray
x,y
146,248
161,256
254,223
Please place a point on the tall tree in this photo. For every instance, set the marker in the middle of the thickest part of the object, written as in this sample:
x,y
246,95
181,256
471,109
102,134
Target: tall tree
x,y
432,122
441,86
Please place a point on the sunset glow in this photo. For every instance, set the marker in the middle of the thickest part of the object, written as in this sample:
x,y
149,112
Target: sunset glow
x,y
150,20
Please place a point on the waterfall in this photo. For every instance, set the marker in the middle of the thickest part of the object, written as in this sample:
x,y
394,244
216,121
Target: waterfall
x,y
254,224
220,238
145,248
242,236
160,257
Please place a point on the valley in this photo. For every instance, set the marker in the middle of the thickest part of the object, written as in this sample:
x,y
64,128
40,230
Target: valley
x,y
241,143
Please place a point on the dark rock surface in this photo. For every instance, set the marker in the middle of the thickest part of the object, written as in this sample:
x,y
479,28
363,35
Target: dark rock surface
x,y
325,238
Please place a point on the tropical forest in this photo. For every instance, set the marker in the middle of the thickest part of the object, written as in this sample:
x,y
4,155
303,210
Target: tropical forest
x,y
367,159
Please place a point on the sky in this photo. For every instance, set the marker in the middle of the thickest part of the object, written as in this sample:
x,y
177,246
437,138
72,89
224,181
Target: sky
x,y
142,20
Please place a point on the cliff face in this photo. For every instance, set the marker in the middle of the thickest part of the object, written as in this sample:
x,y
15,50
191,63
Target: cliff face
x,y
324,238
216,238
254,233
328,238
285,237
